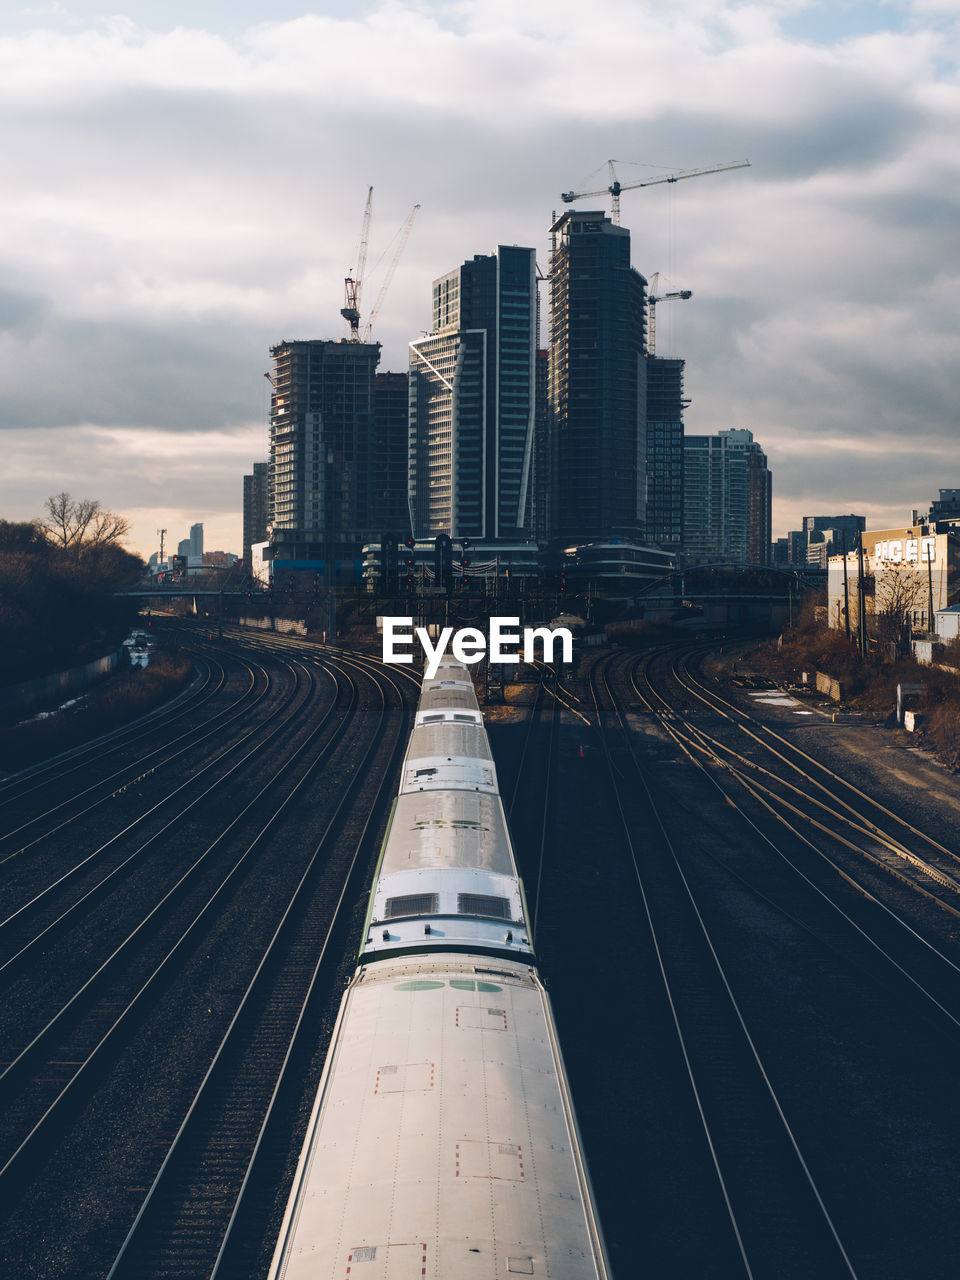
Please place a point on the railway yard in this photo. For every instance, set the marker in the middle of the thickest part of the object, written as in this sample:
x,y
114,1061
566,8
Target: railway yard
x,y
748,917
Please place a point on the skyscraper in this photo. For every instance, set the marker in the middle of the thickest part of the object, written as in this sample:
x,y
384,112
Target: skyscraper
x,y
664,452
321,438
472,401
727,499
597,387
389,461
256,508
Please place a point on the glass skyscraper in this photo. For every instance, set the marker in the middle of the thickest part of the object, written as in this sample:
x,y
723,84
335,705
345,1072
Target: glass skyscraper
x,y
597,389
472,401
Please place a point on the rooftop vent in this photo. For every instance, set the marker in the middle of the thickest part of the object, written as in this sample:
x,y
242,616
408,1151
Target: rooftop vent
x,y
483,904
411,904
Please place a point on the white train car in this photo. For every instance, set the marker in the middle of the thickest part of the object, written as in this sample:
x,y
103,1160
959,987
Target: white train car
x,y
442,1143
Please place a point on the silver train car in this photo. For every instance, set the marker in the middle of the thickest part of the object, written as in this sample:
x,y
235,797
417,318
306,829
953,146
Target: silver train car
x,y
442,1143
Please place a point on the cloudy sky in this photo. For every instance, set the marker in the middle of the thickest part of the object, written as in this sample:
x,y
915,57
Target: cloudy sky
x,y
183,185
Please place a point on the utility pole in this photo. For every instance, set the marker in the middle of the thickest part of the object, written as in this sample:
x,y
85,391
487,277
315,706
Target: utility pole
x,y
162,533
846,587
861,603
930,550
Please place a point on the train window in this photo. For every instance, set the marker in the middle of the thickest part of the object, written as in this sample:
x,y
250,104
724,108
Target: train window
x,y
483,904
464,719
411,904
432,719
425,773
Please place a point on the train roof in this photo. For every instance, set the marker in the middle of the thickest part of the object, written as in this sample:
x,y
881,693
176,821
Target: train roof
x,y
449,737
448,829
442,1142
454,694
447,878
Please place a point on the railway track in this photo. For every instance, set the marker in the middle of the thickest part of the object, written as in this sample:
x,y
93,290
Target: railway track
x,y
891,841
529,808
192,1014
73,886
226,1128
825,833
860,1057
778,1222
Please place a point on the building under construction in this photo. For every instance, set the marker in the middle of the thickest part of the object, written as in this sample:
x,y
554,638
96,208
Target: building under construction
x,y
325,496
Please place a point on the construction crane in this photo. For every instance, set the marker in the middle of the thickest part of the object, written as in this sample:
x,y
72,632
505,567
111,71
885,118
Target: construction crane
x,y
653,297
353,284
404,235
615,187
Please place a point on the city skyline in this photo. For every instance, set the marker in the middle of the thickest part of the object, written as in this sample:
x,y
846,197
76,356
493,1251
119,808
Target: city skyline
x,y
179,200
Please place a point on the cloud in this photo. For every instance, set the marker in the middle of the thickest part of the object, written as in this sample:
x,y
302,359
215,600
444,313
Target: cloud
x,y
176,198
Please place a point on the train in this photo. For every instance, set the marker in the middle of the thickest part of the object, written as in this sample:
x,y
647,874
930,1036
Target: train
x,y
442,1143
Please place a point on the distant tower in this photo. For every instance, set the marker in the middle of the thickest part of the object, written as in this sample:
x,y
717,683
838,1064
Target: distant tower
x,y
597,390
727,499
473,399
321,434
390,511
256,500
196,543
664,452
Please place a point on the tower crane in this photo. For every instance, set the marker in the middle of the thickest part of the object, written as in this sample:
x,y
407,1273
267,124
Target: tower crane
x,y
653,297
404,235
353,284
616,186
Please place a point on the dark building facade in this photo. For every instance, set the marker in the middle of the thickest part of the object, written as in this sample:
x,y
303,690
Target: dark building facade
x,y
538,491
664,452
826,536
727,500
256,508
946,507
472,401
390,511
597,384
322,453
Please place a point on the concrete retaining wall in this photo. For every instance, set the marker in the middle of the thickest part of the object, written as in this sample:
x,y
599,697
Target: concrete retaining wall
x,y
34,693
285,626
832,688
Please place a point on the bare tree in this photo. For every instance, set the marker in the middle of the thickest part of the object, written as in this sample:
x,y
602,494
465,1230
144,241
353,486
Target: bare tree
x,y
900,595
107,529
79,525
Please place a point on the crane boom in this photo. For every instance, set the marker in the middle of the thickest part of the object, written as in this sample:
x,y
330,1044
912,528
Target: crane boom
x,y
404,236
653,297
615,187
353,284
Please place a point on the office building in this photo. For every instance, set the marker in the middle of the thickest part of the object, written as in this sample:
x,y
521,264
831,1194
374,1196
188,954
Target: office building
x,y
472,397
790,551
537,521
946,507
727,500
664,452
911,581
321,436
827,536
597,383
389,509
256,508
